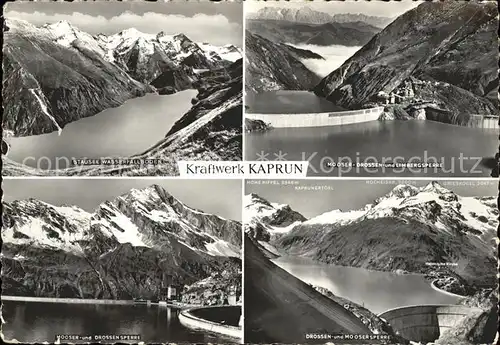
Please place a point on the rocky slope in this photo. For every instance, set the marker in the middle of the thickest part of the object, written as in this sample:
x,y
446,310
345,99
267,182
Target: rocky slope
x,y
220,288
300,15
376,324
273,216
128,248
443,53
264,222
275,66
56,74
310,16
403,230
480,328
255,125
326,34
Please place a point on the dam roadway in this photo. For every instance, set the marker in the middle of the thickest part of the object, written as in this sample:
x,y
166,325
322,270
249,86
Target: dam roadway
x,y
280,308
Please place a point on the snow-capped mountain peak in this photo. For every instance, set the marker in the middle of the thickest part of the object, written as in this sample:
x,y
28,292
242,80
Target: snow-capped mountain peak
x,y
147,217
133,33
162,36
404,190
41,224
62,33
182,37
338,217
435,187
273,217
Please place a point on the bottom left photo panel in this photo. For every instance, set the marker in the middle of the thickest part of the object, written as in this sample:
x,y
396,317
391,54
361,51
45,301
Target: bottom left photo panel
x,y
122,260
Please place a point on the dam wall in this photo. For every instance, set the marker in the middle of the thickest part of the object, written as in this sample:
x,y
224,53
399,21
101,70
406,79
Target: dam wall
x,y
483,121
65,300
219,319
425,323
318,119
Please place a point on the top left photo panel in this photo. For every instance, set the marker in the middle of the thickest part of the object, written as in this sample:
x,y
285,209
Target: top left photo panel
x,y
120,88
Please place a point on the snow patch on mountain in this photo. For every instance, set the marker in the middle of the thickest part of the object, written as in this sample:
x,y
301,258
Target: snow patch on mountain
x,y
34,230
73,214
176,47
259,211
257,207
123,40
65,34
160,216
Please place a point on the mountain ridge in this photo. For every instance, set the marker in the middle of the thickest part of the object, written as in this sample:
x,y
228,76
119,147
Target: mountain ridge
x,y
152,202
439,52
116,67
310,16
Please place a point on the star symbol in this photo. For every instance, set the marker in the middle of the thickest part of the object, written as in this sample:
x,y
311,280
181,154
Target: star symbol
x,y
280,156
262,156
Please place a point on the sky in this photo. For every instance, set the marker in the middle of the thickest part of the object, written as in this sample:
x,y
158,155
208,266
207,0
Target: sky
x,y
351,194
219,197
374,8
202,21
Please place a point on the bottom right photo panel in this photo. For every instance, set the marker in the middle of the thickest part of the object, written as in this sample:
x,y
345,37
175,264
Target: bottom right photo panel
x,y
370,261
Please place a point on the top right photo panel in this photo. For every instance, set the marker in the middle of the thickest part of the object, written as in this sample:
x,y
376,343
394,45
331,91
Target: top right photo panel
x,y
372,89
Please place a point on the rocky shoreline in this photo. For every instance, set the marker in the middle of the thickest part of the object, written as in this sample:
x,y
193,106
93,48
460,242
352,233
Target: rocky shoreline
x,y
256,126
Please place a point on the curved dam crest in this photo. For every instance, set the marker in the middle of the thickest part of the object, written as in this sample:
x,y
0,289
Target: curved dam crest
x,y
318,119
217,319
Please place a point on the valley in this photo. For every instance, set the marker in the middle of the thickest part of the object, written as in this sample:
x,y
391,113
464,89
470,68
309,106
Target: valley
x,y
89,74
450,75
431,82
445,60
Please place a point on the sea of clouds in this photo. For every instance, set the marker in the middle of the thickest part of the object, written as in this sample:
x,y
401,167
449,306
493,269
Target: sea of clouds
x,y
334,55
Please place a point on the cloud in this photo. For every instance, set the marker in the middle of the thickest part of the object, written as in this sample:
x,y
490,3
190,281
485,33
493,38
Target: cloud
x,y
215,29
334,56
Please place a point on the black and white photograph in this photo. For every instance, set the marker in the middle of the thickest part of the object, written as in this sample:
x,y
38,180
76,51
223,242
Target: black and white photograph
x,y
370,261
373,88
121,261
100,88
